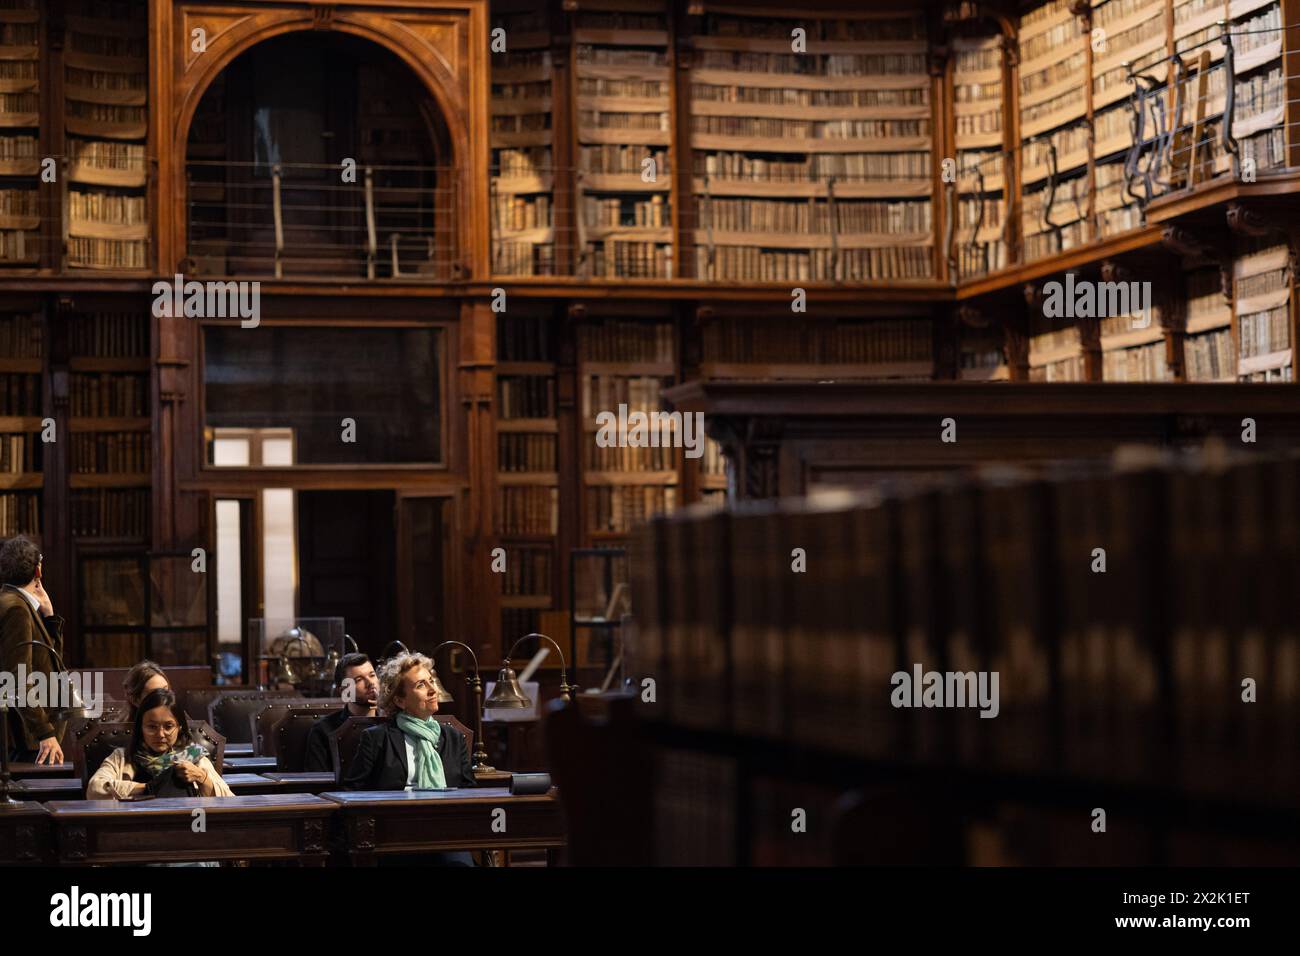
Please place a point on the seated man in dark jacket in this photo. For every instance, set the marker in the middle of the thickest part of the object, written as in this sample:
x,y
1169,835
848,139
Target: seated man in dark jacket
x,y
355,681
410,749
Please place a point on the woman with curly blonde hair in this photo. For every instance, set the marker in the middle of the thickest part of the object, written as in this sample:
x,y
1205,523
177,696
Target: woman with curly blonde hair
x,y
410,749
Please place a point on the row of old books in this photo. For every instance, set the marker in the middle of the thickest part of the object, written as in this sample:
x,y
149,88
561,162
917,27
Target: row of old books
x,y
109,335
814,167
527,510
809,129
20,394
626,211
615,259
20,335
620,508
523,339
1143,363
619,341
525,452
104,452
109,512
20,454
525,396
758,264
20,513
528,571
623,160
807,216
519,257
108,395
628,458
513,213
1123,612
764,340
821,27
605,393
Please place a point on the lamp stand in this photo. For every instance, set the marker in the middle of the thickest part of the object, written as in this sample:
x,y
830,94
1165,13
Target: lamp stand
x,y
479,761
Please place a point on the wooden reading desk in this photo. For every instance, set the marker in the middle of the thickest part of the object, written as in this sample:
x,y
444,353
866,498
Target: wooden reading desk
x,y
381,822
24,834
26,771
287,826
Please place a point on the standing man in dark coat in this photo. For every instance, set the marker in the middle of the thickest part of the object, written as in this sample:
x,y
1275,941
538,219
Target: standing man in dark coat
x,y
27,614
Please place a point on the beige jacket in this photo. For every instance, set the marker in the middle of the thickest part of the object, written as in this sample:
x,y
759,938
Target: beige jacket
x,y
115,779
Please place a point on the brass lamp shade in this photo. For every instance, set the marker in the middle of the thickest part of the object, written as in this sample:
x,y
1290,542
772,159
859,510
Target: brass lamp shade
x,y
507,694
444,695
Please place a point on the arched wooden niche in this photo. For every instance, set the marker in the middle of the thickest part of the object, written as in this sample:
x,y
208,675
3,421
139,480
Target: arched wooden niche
x,y
201,48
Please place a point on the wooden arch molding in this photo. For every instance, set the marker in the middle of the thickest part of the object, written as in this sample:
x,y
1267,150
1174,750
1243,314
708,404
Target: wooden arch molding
x,y
444,47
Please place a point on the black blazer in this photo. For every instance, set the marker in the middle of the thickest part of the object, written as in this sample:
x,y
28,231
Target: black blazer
x,y
380,763
316,754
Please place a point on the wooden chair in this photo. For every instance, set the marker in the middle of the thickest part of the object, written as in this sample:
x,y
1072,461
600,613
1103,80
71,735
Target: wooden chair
x,y
195,700
447,720
229,713
97,739
346,740
291,732
265,718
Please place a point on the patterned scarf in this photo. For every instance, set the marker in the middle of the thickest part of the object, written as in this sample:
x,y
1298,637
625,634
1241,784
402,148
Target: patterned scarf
x,y
150,765
424,735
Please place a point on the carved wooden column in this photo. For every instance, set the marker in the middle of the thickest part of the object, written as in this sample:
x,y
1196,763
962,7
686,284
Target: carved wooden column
x,y
56,540
942,122
1014,232
570,445
481,614
946,344
1016,332
563,150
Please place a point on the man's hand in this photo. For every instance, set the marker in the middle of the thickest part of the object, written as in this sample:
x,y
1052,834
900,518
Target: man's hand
x,y
50,751
47,606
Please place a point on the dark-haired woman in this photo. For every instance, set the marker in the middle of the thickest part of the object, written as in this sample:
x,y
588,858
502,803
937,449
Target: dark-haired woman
x,y
141,680
161,759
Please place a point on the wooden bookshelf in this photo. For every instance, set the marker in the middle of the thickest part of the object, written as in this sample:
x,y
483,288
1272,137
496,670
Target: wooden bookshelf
x,y
810,166
106,120
1054,109
978,104
21,28
1136,35
623,127
1262,299
528,478
111,443
624,362
1209,355
523,160
22,341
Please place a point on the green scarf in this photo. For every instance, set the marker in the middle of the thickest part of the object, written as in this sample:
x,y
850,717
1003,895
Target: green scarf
x,y
151,764
424,735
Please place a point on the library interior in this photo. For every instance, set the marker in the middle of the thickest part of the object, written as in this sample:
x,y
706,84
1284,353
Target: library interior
x,y
719,433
